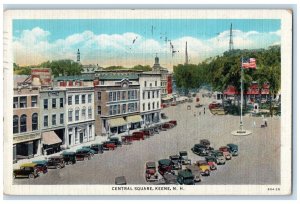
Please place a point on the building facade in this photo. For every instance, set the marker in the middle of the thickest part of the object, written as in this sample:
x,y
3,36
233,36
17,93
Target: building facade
x,y
117,103
150,97
79,115
52,120
26,127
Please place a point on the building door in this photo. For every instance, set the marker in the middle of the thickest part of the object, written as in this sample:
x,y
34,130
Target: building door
x,y
81,137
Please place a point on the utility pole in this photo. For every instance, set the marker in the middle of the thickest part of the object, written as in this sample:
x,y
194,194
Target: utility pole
x,y
230,39
186,54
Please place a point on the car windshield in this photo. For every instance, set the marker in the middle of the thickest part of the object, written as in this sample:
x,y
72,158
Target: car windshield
x,y
183,153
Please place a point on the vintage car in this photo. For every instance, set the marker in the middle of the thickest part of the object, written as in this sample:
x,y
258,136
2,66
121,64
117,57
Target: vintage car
x,y
206,143
116,140
214,105
194,169
183,156
108,145
212,162
190,100
29,170
126,139
121,180
151,174
163,105
69,157
42,166
169,179
138,135
56,162
198,105
233,149
167,125
173,103
164,165
218,111
148,132
174,122
82,154
176,164
204,167
200,150
226,152
219,156
98,148
163,116
185,177
92,152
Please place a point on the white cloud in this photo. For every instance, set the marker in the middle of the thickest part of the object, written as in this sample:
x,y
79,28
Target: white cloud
x,y
33,47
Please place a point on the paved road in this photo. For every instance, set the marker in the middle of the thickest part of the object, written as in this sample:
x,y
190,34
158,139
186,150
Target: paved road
x,y
258,162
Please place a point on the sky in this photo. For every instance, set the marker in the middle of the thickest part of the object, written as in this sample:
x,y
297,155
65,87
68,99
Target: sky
x,y
129,42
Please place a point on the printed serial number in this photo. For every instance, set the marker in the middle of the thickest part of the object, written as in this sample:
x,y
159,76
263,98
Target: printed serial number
x,y
273,189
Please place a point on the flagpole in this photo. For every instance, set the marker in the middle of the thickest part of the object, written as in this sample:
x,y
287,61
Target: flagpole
x,y
241,118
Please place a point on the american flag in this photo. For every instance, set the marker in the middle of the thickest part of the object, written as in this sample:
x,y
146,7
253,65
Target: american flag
x,y
249,63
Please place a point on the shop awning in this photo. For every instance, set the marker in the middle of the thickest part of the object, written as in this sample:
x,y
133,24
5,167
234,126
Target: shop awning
x,y
50,138
116,122
167,98
134,119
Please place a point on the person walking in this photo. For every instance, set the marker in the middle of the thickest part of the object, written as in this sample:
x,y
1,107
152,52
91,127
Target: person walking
x,y
204,110
200,113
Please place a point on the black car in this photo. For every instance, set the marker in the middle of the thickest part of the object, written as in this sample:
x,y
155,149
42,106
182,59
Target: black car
x,y
200,150
176,164
56,162
185,177
98,148
69,157
116,141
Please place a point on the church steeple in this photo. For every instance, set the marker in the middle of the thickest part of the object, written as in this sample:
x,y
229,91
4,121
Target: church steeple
x,y
78,56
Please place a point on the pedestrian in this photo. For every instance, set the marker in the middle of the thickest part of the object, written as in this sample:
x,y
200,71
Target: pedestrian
x,y
266,123
200,113
254,124
194,114
204,111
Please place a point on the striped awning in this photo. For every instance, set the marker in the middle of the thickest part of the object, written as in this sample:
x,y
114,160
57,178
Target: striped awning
x,y
116,122
134,119
50,138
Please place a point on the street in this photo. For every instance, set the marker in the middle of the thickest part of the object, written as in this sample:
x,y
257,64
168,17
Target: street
x,y
258,161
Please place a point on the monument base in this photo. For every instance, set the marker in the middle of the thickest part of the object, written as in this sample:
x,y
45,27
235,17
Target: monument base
x,y
241,132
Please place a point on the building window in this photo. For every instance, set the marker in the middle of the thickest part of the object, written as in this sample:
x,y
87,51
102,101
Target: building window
x,y
114,110
119,107
82,98
149,107
157,92
149,95
90,113
118,95
143,106
110,110
54,119
99,95
143,94
16,124
102,82
23,123
46,104
45,120
70,115
124,108
99,110
53,102
61,118
150,84
33,101
69,100
114,96
110,96
155,83
83,113
76,99
145,84
16,102
61,102
70,136
157,105
153,94
153,105
77,115
123,95
135,106
89,98
23,102
34,121
131,107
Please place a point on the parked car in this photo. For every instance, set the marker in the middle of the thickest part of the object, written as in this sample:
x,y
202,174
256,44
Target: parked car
x,y
185,177
148,132
151,174
164,165
214,105
169,179
212,162
233,149
194,169
116,140
139,135
56,162
92,152
198,105
206,143
42,166
29,170
167,125
219,156
174,122
161,128
163,116
173,103
226,152
200,150
126,139
183,156
82,154
69,157
121,180
176,164
190,100
108,145
204,167
98,148
163,105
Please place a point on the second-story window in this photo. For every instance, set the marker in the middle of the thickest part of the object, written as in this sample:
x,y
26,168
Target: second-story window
x,y
143,94
157,105
16,124
149,95
34,122
83,98
99,110
46,104
53,102
123,95
70,115
33,101
77,115
99,95
23,102
153,94
76,99
149,106
114,96
16,102
118,95
61,102
145,84
90,113
45,120
143,106
69,100
89,98
123,108
110,96
61,118
23,123
153,105
83,113
54,119
155,83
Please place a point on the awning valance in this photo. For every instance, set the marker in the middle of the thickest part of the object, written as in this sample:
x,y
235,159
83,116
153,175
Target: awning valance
x,y
116,122
50,138
134,119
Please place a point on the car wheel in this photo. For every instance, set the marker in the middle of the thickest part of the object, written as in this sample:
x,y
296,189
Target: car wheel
x,y
70,163
31,176
58,166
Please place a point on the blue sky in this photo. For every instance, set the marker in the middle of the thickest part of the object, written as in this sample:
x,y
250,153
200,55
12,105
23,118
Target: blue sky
x,y
110,41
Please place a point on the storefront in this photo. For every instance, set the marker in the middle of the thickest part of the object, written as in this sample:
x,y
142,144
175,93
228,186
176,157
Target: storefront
x,y
51,142
117,125
134,122
80,133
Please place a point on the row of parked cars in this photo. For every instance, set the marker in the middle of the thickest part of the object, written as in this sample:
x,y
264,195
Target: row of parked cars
x,y
178,169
